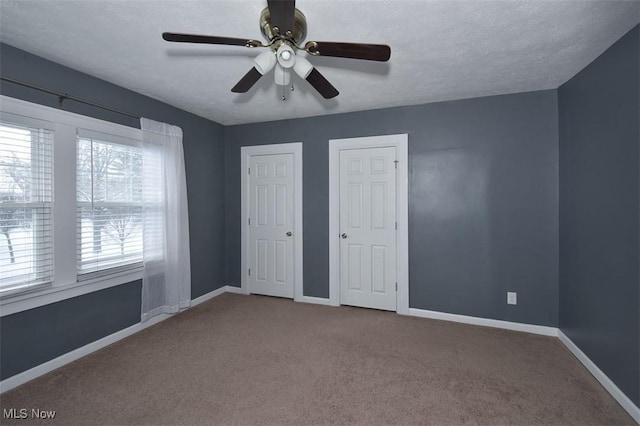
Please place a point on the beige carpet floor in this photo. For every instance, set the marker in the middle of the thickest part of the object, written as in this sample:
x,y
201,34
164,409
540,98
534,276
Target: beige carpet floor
x,y
260,360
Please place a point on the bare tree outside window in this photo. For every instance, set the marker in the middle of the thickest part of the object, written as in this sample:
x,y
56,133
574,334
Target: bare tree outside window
x,y
25,205
15,186
109,199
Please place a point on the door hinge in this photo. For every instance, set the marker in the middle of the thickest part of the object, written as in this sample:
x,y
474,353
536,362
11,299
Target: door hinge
x,y
249,222
396,286
396,163
249,171
396,226
250,272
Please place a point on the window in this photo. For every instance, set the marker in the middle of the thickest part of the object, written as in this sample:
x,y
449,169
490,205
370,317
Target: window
x,y
90,238
109,205
26,241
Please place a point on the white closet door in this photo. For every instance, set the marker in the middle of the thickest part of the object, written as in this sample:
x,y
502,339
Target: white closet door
x,y
368,228
271,225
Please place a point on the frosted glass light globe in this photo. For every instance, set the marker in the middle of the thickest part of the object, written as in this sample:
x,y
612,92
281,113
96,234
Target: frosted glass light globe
x,y
286,56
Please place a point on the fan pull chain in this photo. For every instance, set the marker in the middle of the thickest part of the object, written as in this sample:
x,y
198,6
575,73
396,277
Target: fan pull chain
x,y
284,96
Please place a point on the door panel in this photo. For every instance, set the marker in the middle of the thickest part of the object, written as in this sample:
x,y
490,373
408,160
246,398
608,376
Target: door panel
x,y
378,266
281,205
355,205
355,267
270,219
262,261
368,228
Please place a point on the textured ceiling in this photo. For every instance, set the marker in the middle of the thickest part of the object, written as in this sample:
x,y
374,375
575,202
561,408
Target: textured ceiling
x,y
441,49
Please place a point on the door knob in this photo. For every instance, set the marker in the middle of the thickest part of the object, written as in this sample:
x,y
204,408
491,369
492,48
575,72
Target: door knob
x,y
289,234
343,235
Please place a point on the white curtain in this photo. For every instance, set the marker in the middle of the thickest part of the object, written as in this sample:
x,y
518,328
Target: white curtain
x,y
166,282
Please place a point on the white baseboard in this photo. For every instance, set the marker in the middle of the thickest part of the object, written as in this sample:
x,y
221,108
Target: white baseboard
x,y
44,368
315,300
486,322
605,381
58,362
234,289
208,296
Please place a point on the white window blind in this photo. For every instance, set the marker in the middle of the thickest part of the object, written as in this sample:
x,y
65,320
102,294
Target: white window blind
x,y
109,205
26,229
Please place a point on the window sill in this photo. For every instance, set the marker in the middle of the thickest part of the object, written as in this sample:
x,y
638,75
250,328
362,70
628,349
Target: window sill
x,y
18,302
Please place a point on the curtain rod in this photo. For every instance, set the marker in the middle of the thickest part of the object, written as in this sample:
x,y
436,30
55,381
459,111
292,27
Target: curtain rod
x,y
65,96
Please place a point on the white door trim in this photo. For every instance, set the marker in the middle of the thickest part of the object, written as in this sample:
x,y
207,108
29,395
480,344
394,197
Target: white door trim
x,y
401,143
246,153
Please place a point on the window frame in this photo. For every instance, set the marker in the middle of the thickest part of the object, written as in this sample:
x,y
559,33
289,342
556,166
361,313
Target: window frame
x,y
43,196
66,127
116,266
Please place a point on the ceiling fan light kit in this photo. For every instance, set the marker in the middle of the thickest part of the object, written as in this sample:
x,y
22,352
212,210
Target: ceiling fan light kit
x,y
282,76
286,56
302,67
264,62
285,27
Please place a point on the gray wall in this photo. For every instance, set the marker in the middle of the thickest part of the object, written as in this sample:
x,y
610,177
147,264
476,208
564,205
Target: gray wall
x,y
483,200
32,337
203,143
599,212
483,213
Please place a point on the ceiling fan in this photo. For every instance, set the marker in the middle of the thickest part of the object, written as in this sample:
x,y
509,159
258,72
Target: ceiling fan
x,y
285,27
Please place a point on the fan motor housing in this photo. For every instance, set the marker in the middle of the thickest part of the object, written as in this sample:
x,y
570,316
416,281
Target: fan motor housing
x,y
299,26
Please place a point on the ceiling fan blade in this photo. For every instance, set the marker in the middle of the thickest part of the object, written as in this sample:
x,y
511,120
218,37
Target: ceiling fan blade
x,y
247,81
321,84
369,52
194,38
282,14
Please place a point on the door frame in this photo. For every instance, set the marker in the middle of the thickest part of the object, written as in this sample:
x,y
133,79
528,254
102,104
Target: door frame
x,y
401,143
246,152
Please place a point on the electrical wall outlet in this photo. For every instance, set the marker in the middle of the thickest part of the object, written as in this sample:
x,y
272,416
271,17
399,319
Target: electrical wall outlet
x,y
512,298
